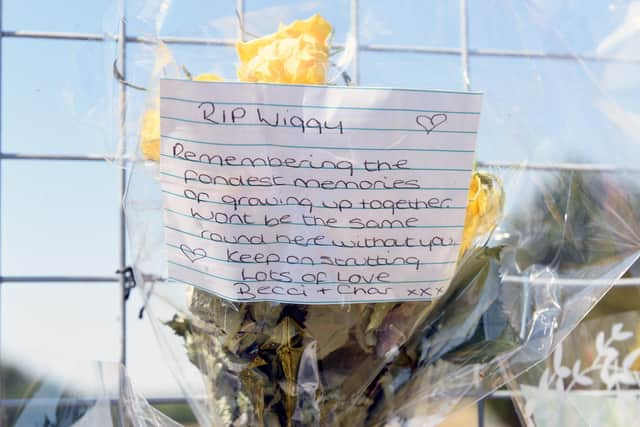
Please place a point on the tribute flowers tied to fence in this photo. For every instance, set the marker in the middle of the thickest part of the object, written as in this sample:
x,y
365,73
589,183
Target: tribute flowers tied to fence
x,y
351,364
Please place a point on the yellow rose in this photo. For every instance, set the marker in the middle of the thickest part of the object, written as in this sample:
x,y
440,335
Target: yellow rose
x,y
483,210
296,53
207,77
150,126
150,135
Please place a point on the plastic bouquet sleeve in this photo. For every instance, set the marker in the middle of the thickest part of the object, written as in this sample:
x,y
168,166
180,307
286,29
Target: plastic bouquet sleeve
x,y
57,400
544,239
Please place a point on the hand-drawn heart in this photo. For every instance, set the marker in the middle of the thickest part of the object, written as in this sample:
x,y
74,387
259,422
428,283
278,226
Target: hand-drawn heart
x,y
429,123
193,254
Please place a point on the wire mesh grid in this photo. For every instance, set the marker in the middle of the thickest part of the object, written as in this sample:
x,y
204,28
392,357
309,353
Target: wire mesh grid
x,y
121,157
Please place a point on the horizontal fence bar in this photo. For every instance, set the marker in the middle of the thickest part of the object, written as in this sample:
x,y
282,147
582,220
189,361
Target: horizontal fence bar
x,y
183,40
363,47
551,167
18,403
28,34
58,279
389,48
552,55
508,394
497,395
63,157
578,167
631,281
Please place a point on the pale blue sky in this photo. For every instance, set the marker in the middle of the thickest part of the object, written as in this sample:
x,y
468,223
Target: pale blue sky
x,y
61,218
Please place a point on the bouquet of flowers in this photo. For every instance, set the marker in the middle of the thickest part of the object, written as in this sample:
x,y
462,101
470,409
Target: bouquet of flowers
x,y
267,364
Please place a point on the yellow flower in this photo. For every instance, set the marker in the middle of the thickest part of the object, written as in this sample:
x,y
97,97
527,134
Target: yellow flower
x,y
207,77
483,210
150,126
150,135
296,53
636,363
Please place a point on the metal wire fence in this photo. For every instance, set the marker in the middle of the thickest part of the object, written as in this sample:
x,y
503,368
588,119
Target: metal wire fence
x,y
121,157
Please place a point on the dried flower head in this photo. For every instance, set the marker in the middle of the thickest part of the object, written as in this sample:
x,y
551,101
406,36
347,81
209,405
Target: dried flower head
x,y
484,208
150,126
150,135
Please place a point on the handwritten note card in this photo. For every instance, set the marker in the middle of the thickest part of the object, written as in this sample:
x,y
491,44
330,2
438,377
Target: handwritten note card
x,y
309,194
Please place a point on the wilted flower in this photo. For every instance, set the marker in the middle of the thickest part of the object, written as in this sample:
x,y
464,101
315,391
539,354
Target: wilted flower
x,y
150,135
296,53
484,208
150,126
208,77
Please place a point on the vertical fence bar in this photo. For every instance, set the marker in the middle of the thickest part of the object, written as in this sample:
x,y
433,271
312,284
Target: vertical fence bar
x,y
121,151
480,404
355,62
466,82
464,43
3,415
122,41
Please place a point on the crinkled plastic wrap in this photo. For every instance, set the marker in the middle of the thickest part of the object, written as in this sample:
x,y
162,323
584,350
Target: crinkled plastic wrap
x,y
567,232
106,399
592,378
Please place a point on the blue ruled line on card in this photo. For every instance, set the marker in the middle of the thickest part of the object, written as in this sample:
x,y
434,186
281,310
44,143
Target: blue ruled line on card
x,y
321,188
178,230
319,107
301,264
283,166
366,88
297,299
226,279
314,225
198,122
213,202
316,147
